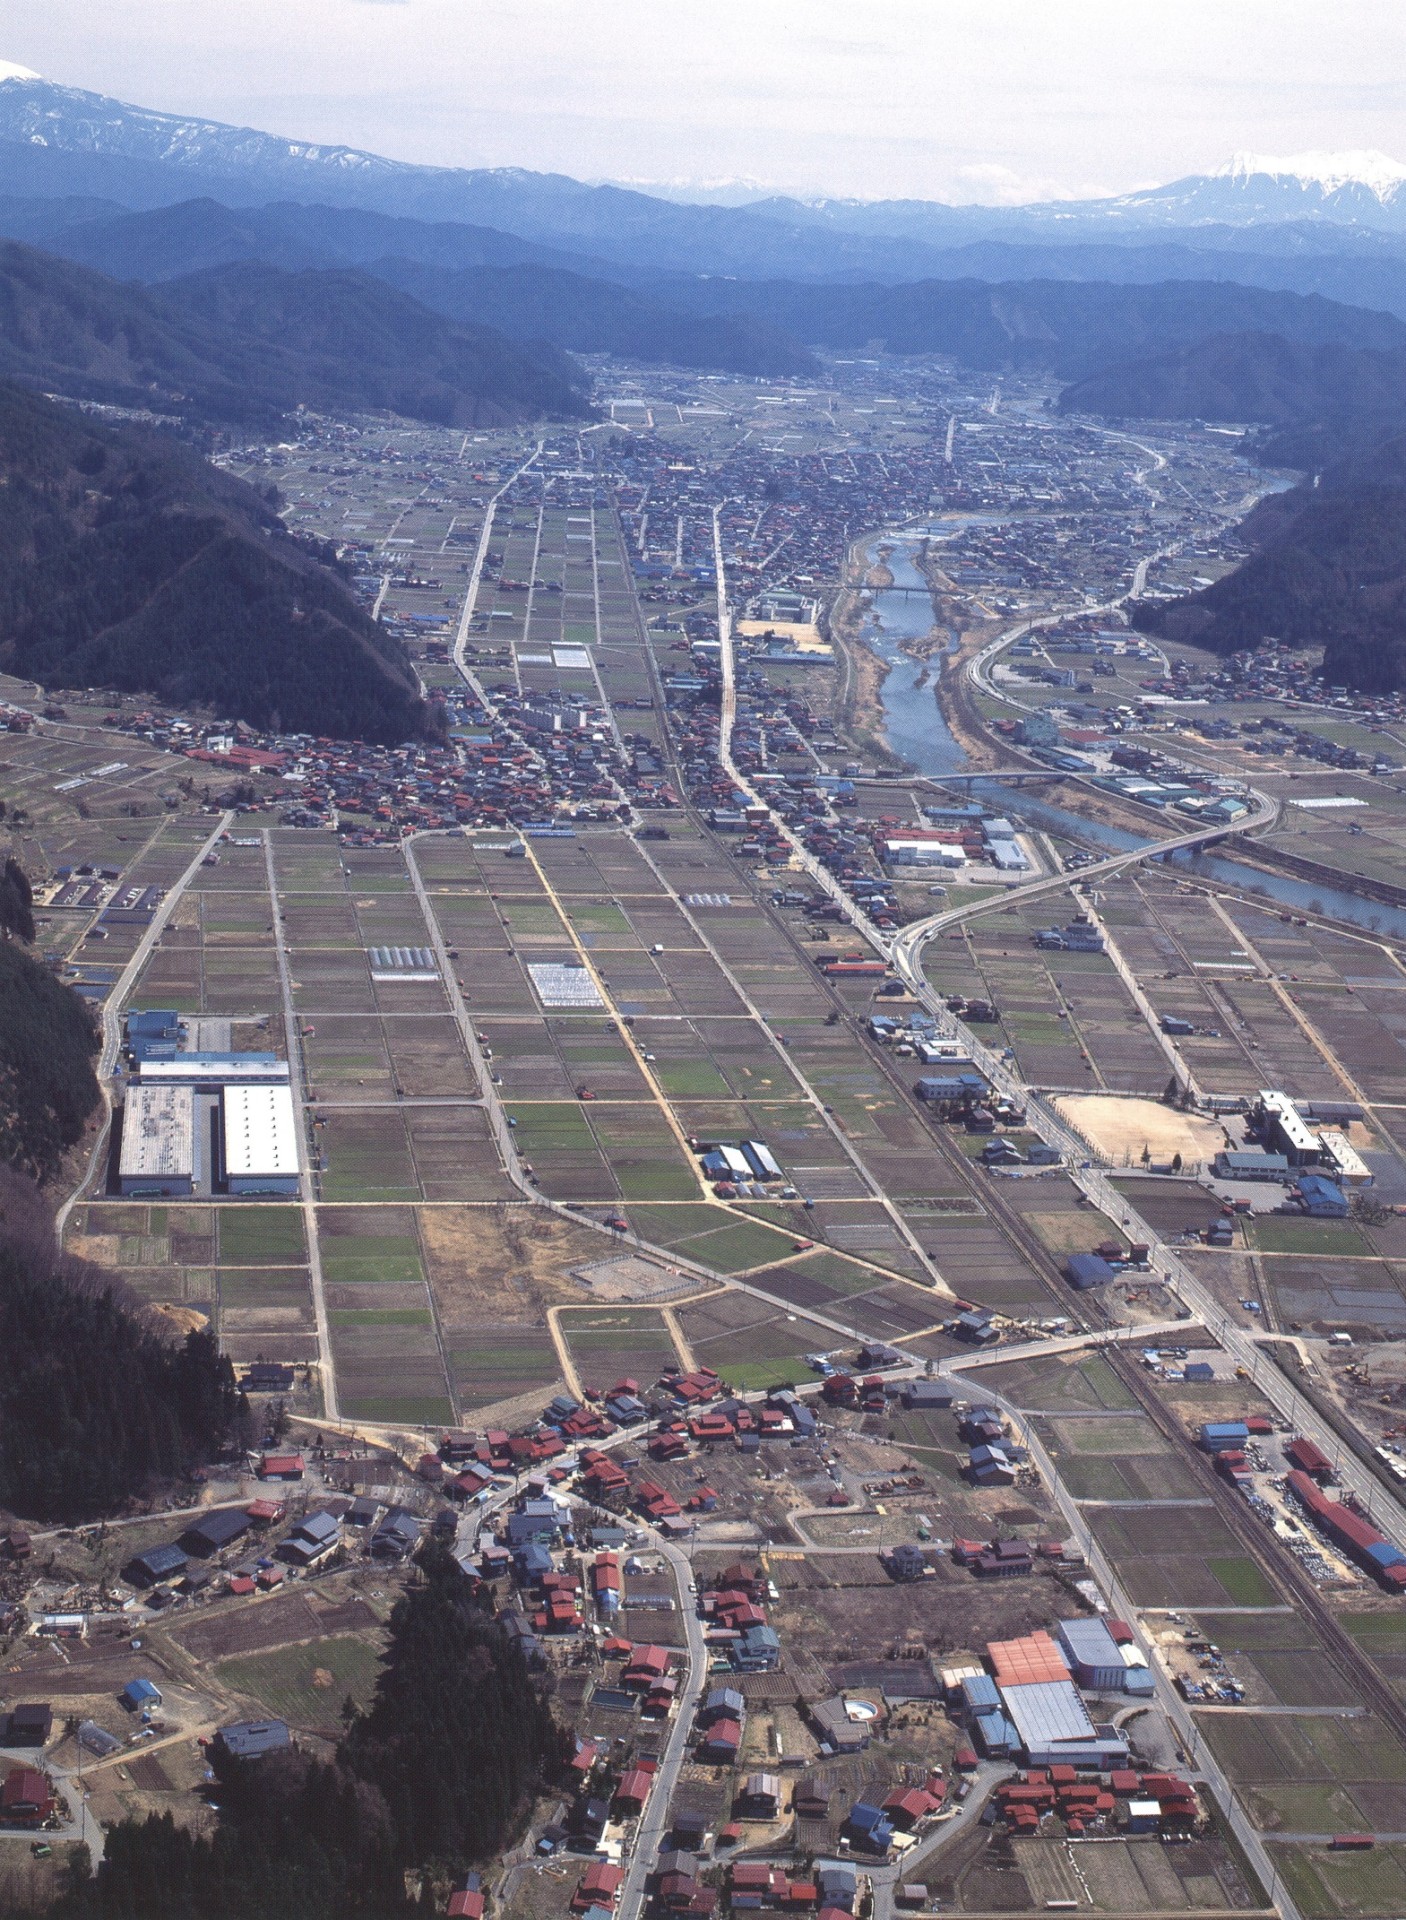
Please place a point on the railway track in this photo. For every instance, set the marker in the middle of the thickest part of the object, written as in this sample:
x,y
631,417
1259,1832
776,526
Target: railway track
x,y
1280,1569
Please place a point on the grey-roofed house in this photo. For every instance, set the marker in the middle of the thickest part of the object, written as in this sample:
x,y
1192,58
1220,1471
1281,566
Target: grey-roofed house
x,y
397,1536
156,1564
252,1739
838,1883
213,1531
725,1702
761,1795
836,1729
312,1539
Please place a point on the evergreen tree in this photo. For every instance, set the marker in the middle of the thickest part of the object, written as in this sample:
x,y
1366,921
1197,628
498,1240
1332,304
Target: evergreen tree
x,y
454,1685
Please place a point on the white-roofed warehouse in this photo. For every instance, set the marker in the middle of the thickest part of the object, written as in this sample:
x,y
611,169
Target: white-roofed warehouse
x,y
1054,1726
259,1130
158,1141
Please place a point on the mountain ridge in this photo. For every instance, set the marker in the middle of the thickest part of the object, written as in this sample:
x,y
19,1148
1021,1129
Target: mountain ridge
x,y
126,560
359,345
67,139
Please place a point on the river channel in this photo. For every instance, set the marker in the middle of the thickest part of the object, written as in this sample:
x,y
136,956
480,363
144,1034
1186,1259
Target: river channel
x,y
914,727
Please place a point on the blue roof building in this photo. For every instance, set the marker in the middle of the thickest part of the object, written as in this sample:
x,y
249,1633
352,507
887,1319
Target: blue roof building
x,y
1085,1270
1323,1199
869,1827
995,1736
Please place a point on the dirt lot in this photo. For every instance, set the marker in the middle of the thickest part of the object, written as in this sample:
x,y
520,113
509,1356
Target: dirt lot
x,y
1120,1129
839,1608
504,1263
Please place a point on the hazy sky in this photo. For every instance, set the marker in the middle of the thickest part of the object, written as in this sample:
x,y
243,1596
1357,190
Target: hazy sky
x,y
948,99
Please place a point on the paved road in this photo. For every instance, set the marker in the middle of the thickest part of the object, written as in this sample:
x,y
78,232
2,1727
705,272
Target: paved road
x,y
307,1190
884,1879
654,1821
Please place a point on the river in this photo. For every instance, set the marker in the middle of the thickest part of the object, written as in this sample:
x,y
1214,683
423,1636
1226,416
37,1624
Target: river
x,y
914,727
913,723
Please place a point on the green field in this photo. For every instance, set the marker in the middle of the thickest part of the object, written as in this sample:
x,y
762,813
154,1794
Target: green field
x,y
283,1681
1243,1581
250,1235
1276,1749
371,1257
1272,1235
1114,1436
428,1410
1324,1884
380,1317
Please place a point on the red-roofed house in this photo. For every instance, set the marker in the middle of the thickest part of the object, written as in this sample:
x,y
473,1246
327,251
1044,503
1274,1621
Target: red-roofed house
x,y
634,1789
281,1466
597,1886
645,1666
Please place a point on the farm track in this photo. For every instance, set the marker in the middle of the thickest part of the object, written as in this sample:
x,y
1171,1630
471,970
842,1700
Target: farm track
x,y
1280,1569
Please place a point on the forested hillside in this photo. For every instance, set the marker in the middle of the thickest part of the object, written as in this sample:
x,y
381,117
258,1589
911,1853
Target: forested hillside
x,y
1073,328
47,1044
346,340
1254,378
589,315
1329,570
93,1406
247,348
127,561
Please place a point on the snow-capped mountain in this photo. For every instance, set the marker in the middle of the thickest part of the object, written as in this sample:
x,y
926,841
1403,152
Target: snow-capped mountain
x,y
1355,188
57,140
35,112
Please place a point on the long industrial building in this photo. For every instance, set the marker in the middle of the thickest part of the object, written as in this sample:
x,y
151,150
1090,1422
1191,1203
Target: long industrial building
x,y
159,1146
259,1132
216,1070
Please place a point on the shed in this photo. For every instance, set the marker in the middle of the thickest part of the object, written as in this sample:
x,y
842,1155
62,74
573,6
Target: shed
x,y
925,1394
252,1739
138,1694
29,1724
156,1564
1085,1270
215,1530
